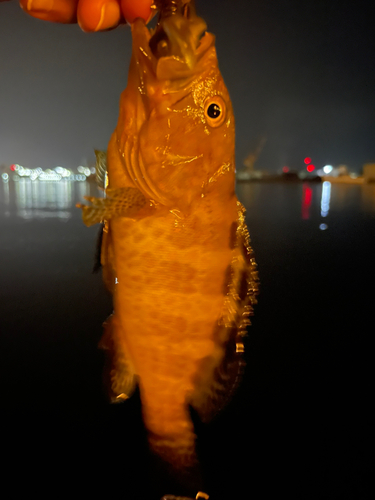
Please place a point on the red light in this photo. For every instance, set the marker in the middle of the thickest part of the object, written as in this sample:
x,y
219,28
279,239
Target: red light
x,y
13,167
285,169
310,168
307,160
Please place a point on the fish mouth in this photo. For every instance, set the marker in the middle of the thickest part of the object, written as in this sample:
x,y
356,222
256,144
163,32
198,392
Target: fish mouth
x,y
174,49
178,34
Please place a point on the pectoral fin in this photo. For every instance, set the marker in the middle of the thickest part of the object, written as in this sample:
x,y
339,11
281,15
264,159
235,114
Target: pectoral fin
x,y
119,376
123,202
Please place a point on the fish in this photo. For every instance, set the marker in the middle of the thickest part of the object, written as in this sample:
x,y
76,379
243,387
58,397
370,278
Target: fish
x,y
176,252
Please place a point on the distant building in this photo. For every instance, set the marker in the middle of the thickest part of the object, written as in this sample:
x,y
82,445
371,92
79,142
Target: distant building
x,y
369,172
342,170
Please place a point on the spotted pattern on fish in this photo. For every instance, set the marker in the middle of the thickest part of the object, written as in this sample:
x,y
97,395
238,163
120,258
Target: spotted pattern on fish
x,y
179,260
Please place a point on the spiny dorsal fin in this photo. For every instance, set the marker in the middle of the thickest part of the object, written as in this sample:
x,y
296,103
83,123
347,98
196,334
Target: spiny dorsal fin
x,y
101,168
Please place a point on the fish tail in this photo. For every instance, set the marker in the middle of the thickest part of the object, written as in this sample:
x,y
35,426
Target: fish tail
x,y
171,433
175,457
177,450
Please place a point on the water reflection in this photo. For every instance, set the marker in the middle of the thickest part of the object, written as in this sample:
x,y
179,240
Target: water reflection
x,y
344,196
307,193
40,199
368,198
6,196
319,204
83,190
310,202
326,197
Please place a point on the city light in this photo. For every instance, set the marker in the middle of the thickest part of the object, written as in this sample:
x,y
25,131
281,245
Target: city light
x,y
307,160
310,168
327,169
63,171
56,174
49,176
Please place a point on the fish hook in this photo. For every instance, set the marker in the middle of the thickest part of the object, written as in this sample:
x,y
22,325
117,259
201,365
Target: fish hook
x,y
170,7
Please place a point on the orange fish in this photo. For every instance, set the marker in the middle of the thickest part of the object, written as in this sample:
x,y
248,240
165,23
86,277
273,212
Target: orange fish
x,y
176,250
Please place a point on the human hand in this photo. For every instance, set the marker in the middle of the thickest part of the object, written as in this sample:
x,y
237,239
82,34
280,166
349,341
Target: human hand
x,y
91,15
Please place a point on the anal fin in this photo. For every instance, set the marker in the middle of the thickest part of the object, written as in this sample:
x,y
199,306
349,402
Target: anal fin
x,y
107,258
119,375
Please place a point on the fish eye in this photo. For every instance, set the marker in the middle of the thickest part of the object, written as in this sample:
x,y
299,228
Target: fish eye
x,y
214,110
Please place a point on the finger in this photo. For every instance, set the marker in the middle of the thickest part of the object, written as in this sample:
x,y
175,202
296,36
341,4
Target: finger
x,y
132,9
97,15
58,11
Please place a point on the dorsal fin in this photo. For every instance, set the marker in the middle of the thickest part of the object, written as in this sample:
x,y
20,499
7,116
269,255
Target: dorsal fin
x,y
101,168
217,384
218,376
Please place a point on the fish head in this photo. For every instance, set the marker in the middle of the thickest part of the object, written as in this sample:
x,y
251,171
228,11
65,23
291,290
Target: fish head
x,y
184,123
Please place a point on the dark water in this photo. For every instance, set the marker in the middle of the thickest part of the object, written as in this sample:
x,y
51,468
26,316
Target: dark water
x,y
300,424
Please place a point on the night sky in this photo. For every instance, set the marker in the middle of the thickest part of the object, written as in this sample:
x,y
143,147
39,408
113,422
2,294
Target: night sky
x,y
301,73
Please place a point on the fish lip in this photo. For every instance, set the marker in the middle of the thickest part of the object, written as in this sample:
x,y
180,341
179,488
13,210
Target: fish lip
x,y
178,35
141,37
